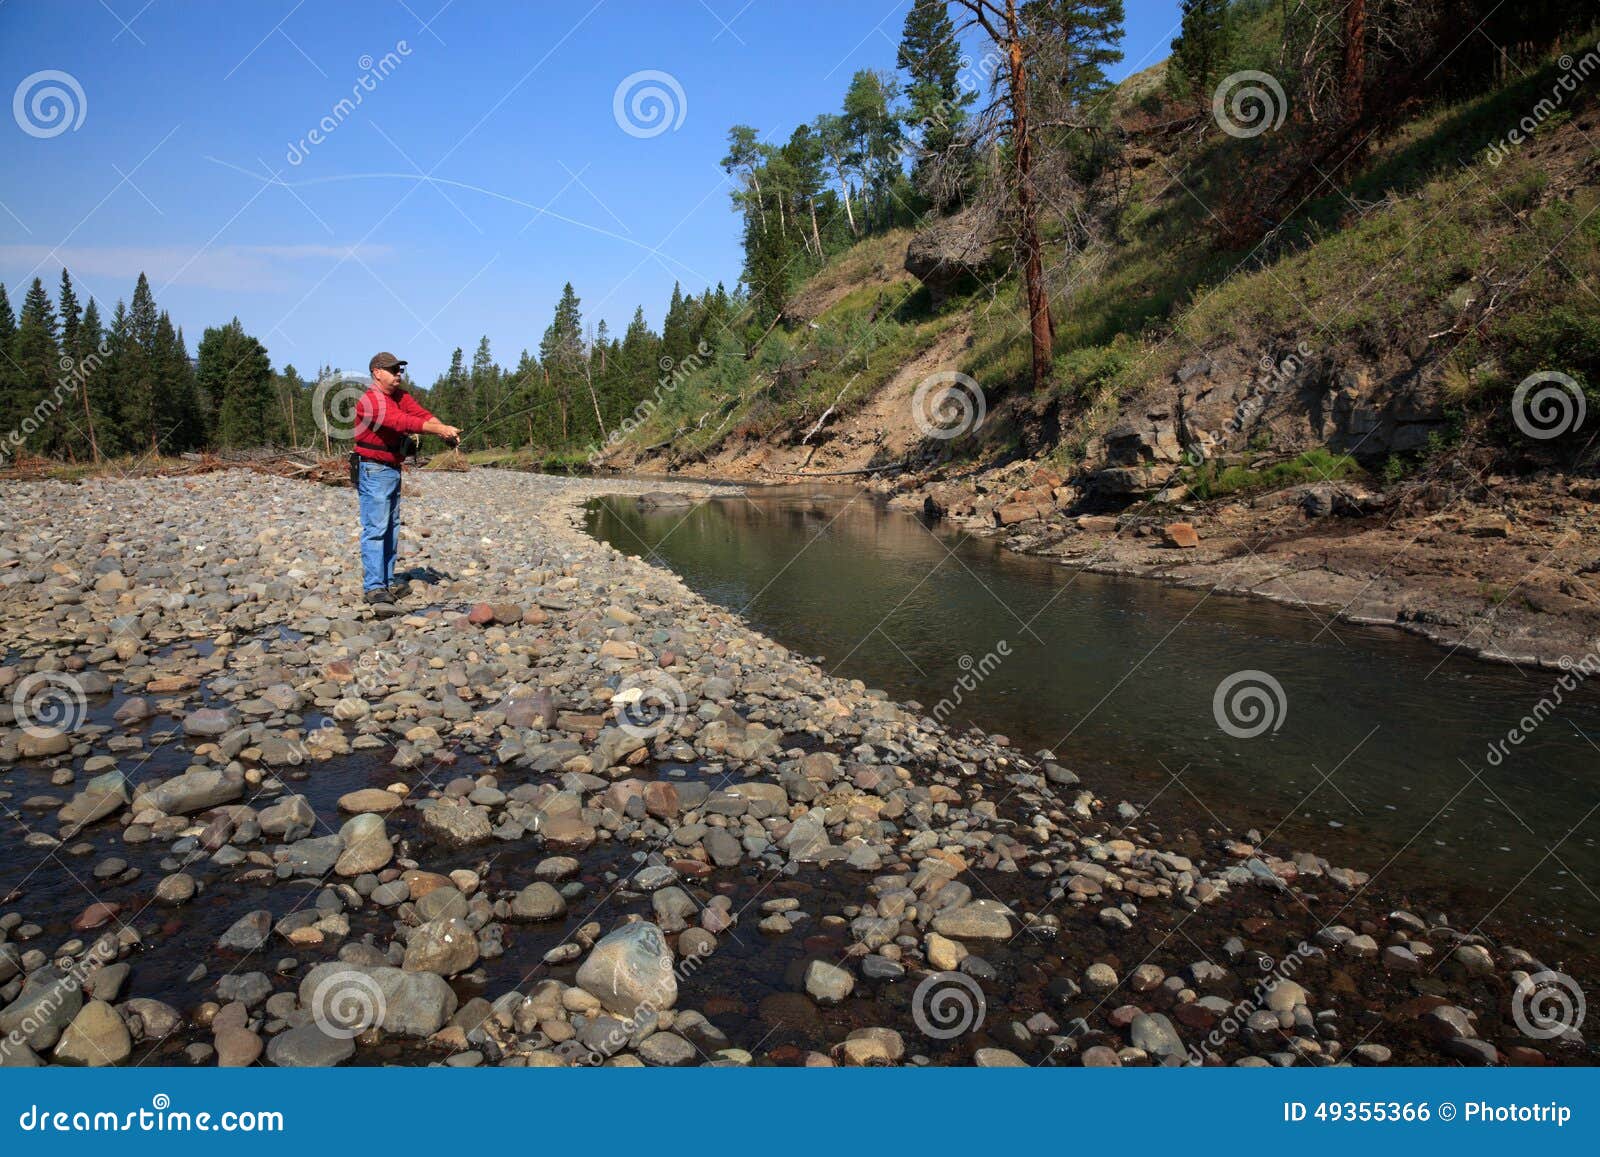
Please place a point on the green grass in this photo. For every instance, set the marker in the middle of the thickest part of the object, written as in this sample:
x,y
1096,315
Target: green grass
x,y
1217,480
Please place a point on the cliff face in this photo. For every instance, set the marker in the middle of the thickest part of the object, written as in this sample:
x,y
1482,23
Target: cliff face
x,y
1235,400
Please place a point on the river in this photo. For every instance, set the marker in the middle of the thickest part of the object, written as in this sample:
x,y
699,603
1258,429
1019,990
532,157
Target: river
x,y
1363,744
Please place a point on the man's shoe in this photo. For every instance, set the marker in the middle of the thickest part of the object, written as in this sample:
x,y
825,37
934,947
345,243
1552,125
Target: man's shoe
x,y
399,589
378,595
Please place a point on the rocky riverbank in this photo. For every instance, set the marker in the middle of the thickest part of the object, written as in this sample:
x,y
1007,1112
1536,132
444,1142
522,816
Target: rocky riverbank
x,y
1489,567
558,809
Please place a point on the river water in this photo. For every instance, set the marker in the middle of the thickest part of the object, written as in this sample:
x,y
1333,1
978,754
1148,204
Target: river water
x,y
1381,751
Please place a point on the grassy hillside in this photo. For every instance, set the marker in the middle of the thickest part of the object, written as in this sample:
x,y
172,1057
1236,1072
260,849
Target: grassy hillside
x,y
1465,268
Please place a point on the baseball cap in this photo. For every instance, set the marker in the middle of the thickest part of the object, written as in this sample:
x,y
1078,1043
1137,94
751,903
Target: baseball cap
x,y
386,361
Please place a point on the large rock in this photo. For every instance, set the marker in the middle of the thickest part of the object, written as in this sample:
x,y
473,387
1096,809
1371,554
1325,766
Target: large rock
x,y
45,1006
1156,1035
979,920
444,947
351,999
309,1047
631,966
456,824
96,1037
248,933
195,791
538,901
210,721
950,249
368,799
366,845
828,983
291,818
101,796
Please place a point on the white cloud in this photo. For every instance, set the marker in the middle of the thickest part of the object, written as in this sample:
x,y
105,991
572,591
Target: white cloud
x,y
229,267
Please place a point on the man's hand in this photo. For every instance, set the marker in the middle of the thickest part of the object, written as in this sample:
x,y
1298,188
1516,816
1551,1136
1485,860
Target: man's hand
x,y
449,433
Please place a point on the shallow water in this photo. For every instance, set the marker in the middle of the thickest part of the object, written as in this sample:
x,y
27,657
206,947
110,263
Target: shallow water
x,y
1377,755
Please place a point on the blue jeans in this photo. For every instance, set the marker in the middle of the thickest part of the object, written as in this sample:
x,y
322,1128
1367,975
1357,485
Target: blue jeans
x,y
379,489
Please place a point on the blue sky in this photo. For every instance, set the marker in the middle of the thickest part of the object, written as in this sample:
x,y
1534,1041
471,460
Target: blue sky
x,y
483,170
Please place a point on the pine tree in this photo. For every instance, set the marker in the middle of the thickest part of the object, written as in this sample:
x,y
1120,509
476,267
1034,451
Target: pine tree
x,y
676,337
36,352
484,387
236,375
1076,41
88,354
10,383
109,391
141,387
930,55
563,358
182,418
1200,52
71,317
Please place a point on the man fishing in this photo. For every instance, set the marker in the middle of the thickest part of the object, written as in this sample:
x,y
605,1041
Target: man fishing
x,y
387,419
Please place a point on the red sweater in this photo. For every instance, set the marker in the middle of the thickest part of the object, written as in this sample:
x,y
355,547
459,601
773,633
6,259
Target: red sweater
x,y
383,423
